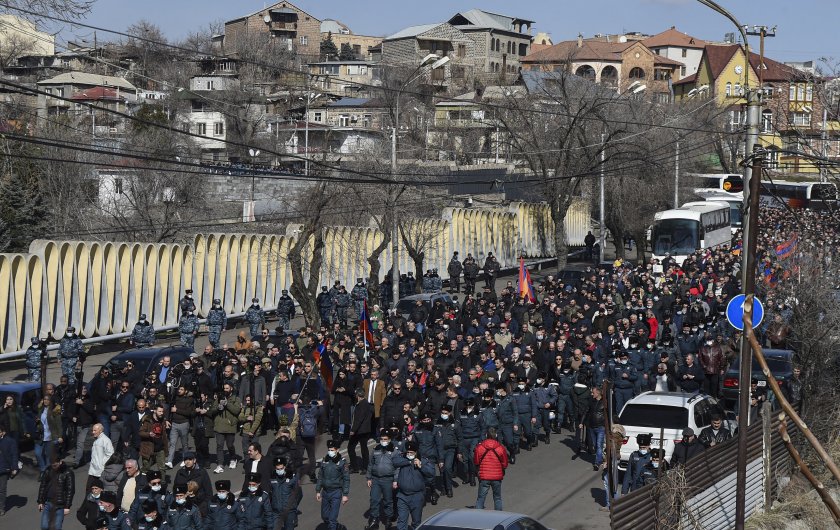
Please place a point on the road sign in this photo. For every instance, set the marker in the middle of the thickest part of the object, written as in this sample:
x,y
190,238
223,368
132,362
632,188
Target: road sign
x,y
735,312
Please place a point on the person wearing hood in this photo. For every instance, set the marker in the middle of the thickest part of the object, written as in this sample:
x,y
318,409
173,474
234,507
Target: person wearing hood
x,y
181,513
253,509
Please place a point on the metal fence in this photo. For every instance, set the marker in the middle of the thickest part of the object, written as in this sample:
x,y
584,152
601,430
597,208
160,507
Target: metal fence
x,y
709,499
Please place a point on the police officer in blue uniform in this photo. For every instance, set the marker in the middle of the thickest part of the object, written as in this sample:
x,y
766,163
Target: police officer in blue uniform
x,y
526,414
182,514
623,377
216,322
508,418
325,305
155,492
33,360
187,303
285,495
253,509
359,294
413,472
470,420
285,310
635,465
188,329
151,517
447,442
70,352
381,476
332,487
545,396
143,333
255,317
487,412
424,436
221,510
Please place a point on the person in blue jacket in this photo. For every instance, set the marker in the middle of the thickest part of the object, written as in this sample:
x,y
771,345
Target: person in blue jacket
x,y
412,474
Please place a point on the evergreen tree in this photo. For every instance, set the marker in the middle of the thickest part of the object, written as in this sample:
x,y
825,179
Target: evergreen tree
x,y
22,214
347,53
329,50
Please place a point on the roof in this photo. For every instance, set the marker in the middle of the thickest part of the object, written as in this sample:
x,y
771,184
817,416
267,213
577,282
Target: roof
x,y
19,387
270,8
664,398
537,81
720,56
97,93
356,102
686,80
590,50
478,18
82,78
412,31
658,59
674,37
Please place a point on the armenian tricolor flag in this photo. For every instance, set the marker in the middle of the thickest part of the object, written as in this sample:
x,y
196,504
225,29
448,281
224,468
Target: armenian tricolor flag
x,y
364,326
322,359
526,289
786,249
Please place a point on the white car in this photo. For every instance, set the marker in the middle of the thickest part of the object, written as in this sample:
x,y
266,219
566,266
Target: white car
x,y
666,413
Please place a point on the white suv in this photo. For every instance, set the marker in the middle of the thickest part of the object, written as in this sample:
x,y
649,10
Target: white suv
x,y
651,412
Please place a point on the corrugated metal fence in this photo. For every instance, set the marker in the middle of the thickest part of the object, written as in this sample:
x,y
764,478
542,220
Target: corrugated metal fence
x,y
709,499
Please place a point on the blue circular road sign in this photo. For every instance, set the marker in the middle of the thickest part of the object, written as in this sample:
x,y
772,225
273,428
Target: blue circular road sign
x,y
735,312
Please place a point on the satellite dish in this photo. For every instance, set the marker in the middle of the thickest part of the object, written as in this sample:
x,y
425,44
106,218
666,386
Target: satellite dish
x,y
267,19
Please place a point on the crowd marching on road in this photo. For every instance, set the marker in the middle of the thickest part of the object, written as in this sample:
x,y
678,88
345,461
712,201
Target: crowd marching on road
x,y
447,392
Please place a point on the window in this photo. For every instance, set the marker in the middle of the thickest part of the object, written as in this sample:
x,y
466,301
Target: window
x,y
211,85
809,92
637,73
792,95
118,186
317,117
682,71
219,128
439,74
585,71
737,91
737,118
366,120
304,40
800,92
462,50
728,89
767,121
344,120
202,129
657,416
801,119
330,69
663,97
684,52
661,75
508,47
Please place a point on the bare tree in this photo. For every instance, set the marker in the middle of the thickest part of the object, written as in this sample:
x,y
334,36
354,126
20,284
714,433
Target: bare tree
x,y
36,10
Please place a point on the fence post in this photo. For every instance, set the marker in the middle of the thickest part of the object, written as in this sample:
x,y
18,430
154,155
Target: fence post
x,y
766,443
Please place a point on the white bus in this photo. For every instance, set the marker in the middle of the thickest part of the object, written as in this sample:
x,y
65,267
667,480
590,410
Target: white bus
x,y
734,200
693,226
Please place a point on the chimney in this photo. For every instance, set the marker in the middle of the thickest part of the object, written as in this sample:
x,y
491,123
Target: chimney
x,y
580,40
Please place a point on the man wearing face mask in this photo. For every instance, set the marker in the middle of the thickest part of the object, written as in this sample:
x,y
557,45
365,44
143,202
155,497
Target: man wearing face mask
x,y
187,303
638,460
650,472
143,334
153,492
221,510
216,322
88,510
526,414
508,417
254,506
470,436
108,508
412,475
332,486
447,442
286,495
424,436
188,329
151,518
255,317
380,478
181,513
545,396
70,352
623,377
713,362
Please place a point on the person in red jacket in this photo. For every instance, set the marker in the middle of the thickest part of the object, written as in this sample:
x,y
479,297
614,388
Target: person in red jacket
x,y
491,459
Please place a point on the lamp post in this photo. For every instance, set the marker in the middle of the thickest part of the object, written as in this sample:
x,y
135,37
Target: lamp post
x,y
435,61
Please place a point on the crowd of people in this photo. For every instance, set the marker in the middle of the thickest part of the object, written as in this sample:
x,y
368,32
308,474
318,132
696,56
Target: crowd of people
x,y
449,392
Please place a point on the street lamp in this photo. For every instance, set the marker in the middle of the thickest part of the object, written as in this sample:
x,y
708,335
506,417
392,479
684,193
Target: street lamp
x,y
434,61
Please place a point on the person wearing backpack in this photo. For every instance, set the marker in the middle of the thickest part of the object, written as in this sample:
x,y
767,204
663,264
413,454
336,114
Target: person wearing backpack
x,y
307,431
491,459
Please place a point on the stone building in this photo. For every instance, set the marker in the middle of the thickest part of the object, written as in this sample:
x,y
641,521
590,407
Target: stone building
x,y
283,20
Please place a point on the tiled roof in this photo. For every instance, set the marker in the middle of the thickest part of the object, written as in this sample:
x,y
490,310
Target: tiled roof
x,y
589,51
675,38
96,94
720,56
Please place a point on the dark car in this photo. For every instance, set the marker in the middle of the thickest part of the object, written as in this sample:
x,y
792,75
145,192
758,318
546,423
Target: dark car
x,y
276,339
470,519
27,396
147,359
406,305
781,366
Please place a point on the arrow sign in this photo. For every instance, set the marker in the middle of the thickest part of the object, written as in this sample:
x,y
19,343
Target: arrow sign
x,y
735,312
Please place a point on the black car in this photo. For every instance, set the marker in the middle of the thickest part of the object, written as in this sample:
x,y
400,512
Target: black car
x,y
147,359
780,363
406,305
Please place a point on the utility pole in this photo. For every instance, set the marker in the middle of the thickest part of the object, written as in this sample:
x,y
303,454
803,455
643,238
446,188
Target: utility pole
x,y
602,235
677,177
395,229
824,143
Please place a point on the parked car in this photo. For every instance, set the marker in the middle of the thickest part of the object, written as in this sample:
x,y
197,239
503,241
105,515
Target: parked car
x,y
780,363
406,305
147,359
27,396
651,412
471,519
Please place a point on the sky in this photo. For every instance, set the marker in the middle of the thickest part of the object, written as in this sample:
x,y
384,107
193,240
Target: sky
x,y
806,28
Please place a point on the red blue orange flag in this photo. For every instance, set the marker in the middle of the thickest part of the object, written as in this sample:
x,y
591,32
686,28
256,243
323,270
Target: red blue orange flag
x,y
365,328
526,289
322,358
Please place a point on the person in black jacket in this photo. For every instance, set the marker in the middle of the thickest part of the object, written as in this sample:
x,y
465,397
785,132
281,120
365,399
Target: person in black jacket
x,y
8,463
594,418
88,510
715,433
191,471
360,431
83,418
690,375
687,449
55,494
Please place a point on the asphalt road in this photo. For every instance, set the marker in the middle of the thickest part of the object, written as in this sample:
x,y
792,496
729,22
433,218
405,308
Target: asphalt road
x,y
549,483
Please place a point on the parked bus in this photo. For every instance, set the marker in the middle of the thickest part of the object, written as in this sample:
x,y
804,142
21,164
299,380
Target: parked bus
x,y
734,200
796,195
728,182
693,226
